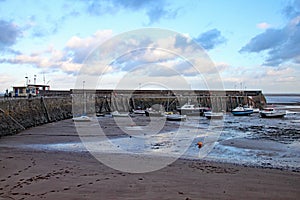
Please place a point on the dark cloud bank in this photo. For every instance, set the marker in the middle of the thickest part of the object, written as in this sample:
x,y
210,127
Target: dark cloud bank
x,y
9,33
155,10
282,44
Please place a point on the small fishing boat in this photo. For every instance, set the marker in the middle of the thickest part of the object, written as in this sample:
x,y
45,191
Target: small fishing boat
x,y
191,109
81,119
176,117
153,113
139,112
255,110
118,114
100,114
213,115
241,111
272,113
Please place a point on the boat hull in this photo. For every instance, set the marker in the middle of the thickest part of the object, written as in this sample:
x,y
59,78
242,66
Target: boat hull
x,y
272,115
242,113
176,117
81,119
213,115
153,114
194,112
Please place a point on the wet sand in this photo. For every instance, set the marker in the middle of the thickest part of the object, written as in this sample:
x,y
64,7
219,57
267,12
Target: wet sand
x,y
27,173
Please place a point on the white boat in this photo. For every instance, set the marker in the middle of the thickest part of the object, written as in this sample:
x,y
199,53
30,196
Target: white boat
x,y
176,117
213,115
81,119
241,111
118,114
255,110
272,113
139,112
191,109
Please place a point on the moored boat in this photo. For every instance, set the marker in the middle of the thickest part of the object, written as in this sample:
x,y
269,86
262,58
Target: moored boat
x,y
241,111
118,114
272,113
81,119
153,113
255,110
176,117
139,112
213,115
191,109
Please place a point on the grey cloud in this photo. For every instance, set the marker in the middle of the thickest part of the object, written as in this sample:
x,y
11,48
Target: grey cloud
x,y
281,45
8,34
155,10
292,9
210,39
266,40
181,41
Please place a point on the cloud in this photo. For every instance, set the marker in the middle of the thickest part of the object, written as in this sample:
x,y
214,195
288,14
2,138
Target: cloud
x,y
281,44
263,25
153,55
9,34
5,78
266,40
50,63
155,10
68,60
78,48
210,39
292,10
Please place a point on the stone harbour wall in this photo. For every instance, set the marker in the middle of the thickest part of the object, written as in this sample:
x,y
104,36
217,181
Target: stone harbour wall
x,y
19,114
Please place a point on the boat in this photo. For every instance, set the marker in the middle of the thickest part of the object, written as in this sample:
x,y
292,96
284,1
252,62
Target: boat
x,y
255,110
241,111
81,119
100,114
191,109
176,117
153,113
213,115
272,113
118,114
139,112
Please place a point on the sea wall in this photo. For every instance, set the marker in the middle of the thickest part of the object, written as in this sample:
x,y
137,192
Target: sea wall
x,y
19,114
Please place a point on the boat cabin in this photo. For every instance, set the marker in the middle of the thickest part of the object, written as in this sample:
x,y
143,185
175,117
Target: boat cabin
x,y
268,109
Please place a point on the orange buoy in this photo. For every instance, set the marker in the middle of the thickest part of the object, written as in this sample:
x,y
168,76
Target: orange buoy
x,y
200,144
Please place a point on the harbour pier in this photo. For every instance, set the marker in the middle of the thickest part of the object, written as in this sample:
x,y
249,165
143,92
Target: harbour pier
x,y
105,101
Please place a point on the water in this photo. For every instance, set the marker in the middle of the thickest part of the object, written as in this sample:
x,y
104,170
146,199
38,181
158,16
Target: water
x,y
283,99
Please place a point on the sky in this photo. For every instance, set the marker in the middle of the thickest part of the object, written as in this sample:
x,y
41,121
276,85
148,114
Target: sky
x,y
151,44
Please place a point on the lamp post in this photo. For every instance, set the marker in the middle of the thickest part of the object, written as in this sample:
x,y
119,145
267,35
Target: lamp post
x,y
26,80
84,98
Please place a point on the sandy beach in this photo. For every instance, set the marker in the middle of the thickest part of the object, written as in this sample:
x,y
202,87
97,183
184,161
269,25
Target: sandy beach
x,y
31,173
